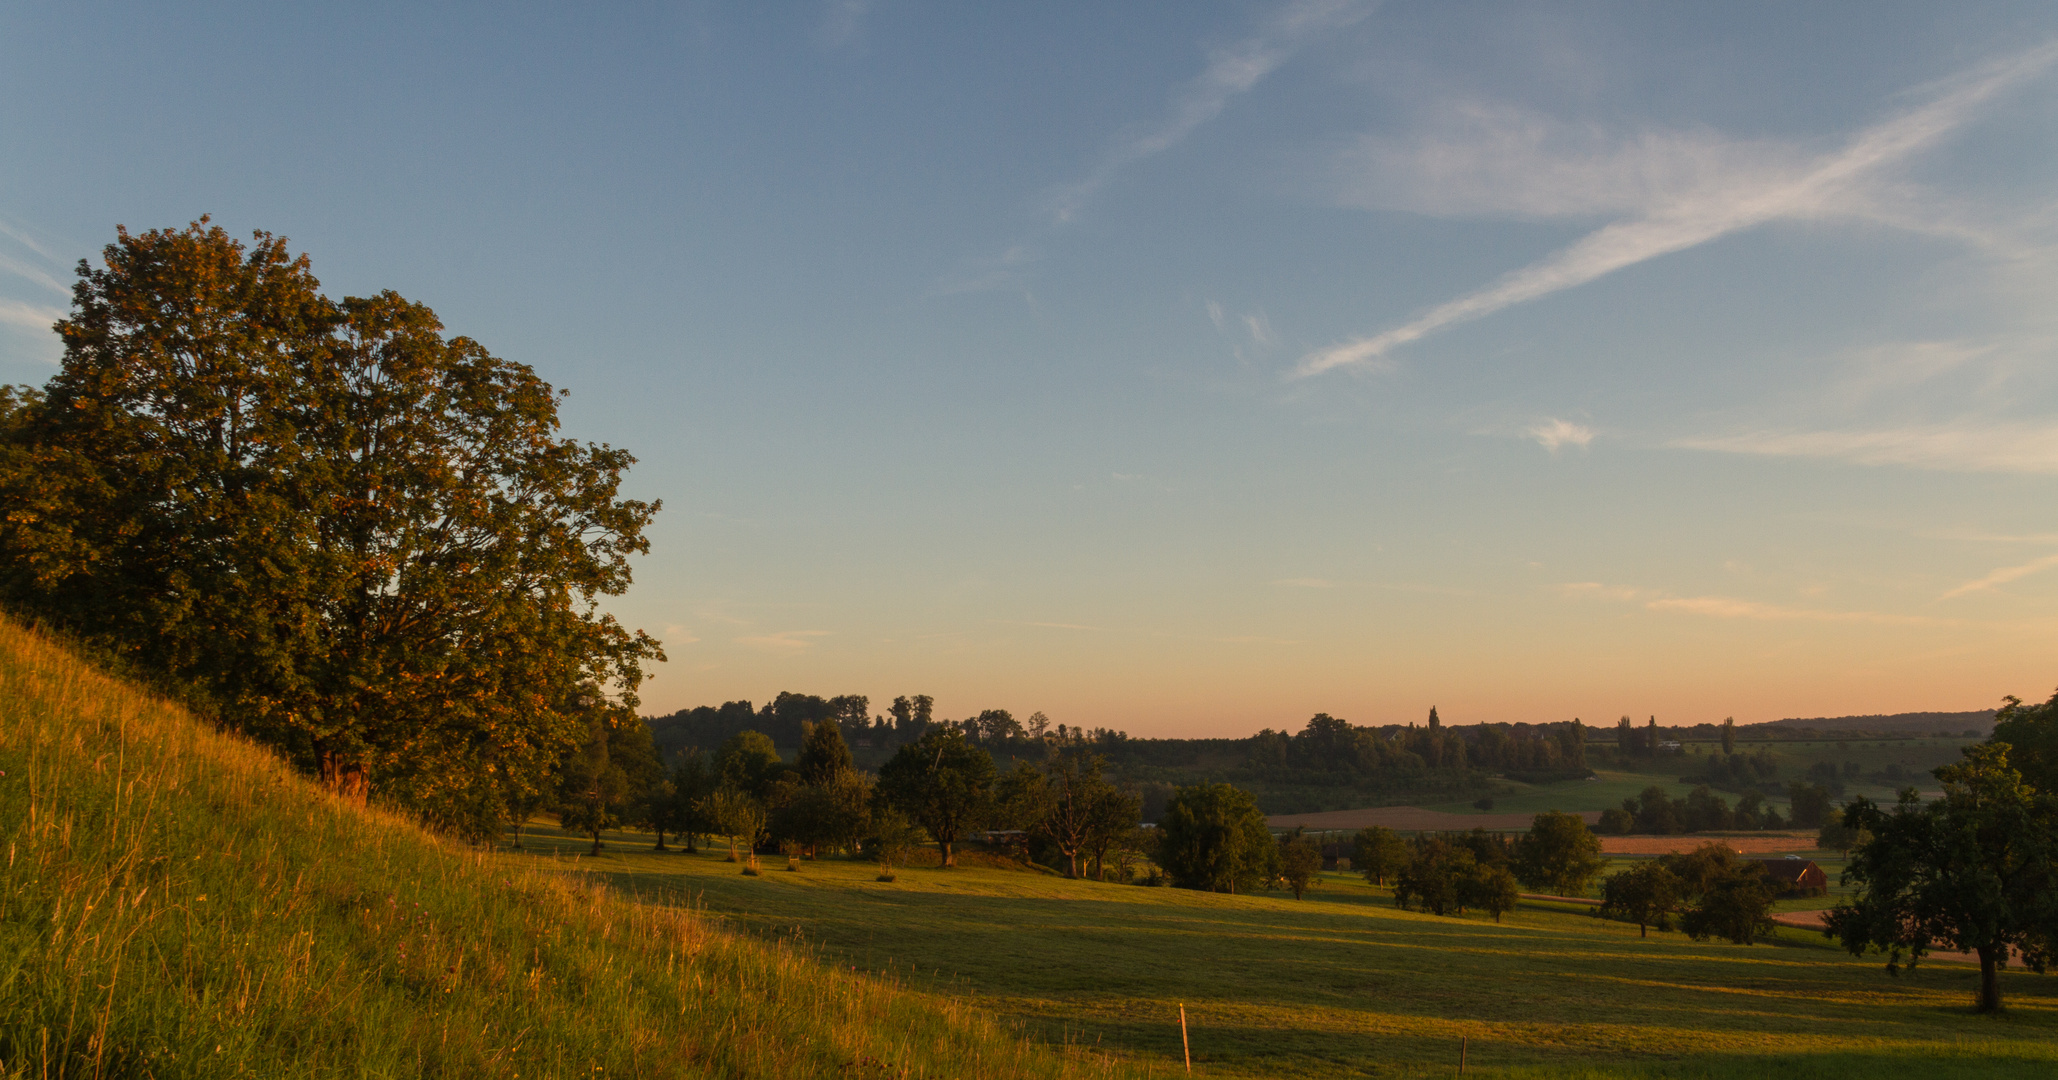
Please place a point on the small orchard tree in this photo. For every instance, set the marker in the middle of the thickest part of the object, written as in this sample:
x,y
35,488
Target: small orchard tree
x,y
1300,863
1645,894
1489,888
894,837
1378,853
741,818
1734,905
1432,878
1558,855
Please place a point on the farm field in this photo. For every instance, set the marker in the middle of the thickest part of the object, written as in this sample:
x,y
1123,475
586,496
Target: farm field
x,y
176,902
1344,984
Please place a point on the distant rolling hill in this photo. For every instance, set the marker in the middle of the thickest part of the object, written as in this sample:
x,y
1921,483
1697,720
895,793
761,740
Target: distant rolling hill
x,y
1914,723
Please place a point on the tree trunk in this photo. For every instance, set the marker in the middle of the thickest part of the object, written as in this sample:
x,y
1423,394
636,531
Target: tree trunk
x,y
1072,869
661,840
950,855
344,778
596,841
1642,930
1991,959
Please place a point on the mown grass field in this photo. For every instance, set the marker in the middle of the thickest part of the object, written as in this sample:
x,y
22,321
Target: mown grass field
x,y
1344,984
175,902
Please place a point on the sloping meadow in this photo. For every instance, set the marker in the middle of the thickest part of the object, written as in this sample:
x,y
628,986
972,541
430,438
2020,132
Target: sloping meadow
x,y
174,902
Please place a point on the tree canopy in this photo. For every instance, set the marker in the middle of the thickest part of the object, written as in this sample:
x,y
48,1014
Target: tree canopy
x,y
1558,855
324,521
942,782
1214,837
1975,871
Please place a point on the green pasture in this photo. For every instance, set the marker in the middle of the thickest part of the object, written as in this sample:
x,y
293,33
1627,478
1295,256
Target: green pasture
x,y
1345,984
1626,780
1571,796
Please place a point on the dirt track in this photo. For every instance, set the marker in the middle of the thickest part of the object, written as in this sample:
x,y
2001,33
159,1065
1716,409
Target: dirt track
x,y
1412,819
1746,844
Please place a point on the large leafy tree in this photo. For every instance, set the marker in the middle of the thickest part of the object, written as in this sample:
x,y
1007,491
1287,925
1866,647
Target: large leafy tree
x,y
1558,855
343,532
942,782
2031,732
1975,871
1214,837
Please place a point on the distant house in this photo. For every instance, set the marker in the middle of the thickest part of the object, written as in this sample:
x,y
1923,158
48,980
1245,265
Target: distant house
x,y
1796,877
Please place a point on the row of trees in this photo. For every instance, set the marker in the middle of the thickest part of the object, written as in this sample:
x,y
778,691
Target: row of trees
x,y
1330,746
1701,810
942,783
1711,891
1447,874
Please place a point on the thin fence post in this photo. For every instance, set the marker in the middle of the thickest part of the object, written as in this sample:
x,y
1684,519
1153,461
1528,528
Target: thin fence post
x,y
1461,1055
1185,1046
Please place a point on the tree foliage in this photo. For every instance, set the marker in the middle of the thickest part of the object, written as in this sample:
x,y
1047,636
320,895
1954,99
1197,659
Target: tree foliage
x,y
2031,733
1975,871
1558,855
1378,853
1300,863
941,781
1214,837
344,533
1645,894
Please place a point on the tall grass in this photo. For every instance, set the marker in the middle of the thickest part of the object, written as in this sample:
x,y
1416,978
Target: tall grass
x,y
176,903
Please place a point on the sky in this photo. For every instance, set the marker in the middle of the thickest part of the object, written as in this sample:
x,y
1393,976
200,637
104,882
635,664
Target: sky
x,y
1187,368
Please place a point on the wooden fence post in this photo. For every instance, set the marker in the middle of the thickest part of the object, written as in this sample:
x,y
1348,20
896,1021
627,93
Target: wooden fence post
x,y
1185,1046
1461,1055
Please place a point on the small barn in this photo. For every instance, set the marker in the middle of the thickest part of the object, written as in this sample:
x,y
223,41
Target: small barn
x,y
1796,877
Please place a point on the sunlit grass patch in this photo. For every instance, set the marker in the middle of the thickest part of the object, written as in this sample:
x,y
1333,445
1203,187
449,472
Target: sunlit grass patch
x,y
175,903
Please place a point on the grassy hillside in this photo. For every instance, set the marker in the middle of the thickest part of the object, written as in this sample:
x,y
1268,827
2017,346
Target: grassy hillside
x,y
174,903
1343,984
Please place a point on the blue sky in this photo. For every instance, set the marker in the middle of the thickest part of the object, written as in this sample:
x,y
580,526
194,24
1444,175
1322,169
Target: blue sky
x,y
1188,368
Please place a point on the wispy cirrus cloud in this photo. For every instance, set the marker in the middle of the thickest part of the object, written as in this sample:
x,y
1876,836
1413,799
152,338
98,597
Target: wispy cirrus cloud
x,y
28,316
1729,607
1554,433
1966,446
1231,71
2002,576
784,641
1677,191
